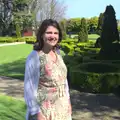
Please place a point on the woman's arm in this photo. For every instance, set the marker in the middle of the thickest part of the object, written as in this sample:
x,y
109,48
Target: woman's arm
x,y
31,81
67,89
68,95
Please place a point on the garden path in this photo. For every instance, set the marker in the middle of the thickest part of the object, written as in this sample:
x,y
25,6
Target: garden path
x,y
15,43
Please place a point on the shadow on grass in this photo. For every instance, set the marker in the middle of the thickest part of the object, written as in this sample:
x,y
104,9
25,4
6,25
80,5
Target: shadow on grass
x,y
14,69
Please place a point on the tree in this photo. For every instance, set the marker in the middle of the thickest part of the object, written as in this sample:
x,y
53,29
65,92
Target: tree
x,y
109,29
109,41
63,28
22,17
50,9
83,34
92,24
73,25
14,12
5,15
100,23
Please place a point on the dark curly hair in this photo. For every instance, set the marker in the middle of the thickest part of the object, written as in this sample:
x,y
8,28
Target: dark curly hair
x,y
45,24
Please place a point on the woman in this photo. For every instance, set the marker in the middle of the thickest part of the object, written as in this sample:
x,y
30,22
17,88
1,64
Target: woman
x,y
46,89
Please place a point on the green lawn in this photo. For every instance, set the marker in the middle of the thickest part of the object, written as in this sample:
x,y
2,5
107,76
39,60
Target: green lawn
x,y
14,52
90,36
12,60
93,36
11,109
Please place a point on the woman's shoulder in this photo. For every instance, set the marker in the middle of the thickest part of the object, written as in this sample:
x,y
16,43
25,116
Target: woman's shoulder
x,y
33,56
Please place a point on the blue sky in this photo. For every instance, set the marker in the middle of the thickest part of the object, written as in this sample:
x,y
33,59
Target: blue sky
x,y
90,8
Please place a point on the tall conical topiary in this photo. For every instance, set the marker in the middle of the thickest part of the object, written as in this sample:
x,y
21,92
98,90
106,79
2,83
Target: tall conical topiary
x,y
83,34
100,23
109,41
109,29
63,28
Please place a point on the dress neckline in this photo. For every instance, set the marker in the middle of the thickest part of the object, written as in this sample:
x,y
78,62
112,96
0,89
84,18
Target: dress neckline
x,y
49,57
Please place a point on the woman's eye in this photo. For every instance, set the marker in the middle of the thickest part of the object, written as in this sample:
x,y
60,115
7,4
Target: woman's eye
x,y
56,33
52,33
49,32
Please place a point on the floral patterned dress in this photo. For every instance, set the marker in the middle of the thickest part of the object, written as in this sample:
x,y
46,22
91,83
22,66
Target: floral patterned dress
x,y
52,98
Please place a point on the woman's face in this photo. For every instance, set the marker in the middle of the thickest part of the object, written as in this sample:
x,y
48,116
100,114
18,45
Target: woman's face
x,y
51,36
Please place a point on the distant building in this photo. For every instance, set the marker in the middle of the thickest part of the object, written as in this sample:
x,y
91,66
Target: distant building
x,y
29,32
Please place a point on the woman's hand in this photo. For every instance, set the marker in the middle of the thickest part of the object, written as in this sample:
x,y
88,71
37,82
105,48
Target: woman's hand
x,y
70,107
40,116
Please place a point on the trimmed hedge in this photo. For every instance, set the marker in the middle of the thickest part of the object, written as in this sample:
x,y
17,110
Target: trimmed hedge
x,y
68,49
95,77
94,82
98,67
72,60
7,39
15,39
69,41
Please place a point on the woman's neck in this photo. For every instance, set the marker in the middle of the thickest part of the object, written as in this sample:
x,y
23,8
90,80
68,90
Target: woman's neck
x,y
47,49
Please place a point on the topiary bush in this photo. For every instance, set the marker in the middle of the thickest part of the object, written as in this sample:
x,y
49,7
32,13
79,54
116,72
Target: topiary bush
x,y
7,39
17,39
95,77
30,40
99,67
94,82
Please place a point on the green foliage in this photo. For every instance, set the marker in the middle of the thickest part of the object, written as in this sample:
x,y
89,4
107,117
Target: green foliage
x,y
100,22
62,53
119,29
72,60
30,40
69,41
63,28
7,39
18,39
73,25
109,29
14,13
94,82
99,67
83,34
92,24
65,47
18,30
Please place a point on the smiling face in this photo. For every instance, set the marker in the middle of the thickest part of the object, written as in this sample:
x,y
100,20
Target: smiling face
x,y
51,36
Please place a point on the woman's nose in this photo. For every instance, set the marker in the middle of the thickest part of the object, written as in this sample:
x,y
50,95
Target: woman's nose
x,y
52,35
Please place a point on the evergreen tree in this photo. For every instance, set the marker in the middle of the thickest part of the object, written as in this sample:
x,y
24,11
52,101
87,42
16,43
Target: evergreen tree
x,y
63,28
100,23
109,29
83,34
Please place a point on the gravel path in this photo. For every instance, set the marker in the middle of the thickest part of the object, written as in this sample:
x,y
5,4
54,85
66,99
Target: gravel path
x,y
15,43
85,106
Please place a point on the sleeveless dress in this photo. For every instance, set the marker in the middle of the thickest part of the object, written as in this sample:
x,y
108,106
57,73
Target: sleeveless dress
x,y
52,98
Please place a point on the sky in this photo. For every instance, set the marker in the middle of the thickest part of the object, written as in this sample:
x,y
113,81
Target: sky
x,y
89,8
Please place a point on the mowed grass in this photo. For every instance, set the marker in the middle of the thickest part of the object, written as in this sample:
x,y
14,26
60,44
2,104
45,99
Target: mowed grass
x,y
14,52
93,36
12,60
11,108
90,36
